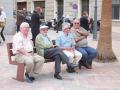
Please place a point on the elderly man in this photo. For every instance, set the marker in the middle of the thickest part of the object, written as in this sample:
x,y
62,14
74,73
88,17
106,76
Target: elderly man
x,y
23,50
67,43
88,53
45,48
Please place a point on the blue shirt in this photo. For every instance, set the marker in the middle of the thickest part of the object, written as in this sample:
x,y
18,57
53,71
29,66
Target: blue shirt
x,y
46,40
65,40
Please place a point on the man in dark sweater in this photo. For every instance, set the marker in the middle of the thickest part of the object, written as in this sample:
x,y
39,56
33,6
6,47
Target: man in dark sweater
x,y
35,22
84,20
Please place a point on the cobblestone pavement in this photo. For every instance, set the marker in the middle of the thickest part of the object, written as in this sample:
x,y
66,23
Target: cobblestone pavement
x,y
103,76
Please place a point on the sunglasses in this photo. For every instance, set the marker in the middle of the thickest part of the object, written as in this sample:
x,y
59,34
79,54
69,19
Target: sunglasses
x,y
76,23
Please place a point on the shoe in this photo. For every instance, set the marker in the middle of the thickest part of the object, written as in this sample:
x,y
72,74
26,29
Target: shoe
x,y
57,76
29,79
32,78
89,66
72,66
81,63
70,70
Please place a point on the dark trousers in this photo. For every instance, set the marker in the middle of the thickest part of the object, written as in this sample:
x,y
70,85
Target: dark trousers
x,y
18,28
1,33
34,31
58,56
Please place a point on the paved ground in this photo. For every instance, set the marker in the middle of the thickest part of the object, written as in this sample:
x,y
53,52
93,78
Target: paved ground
x,y
103,76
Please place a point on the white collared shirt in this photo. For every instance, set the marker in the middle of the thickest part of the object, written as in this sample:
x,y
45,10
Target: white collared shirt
x,y
20,42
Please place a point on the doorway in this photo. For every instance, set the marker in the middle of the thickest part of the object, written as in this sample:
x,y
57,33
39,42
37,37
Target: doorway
x,y
60,9
85,5
21,5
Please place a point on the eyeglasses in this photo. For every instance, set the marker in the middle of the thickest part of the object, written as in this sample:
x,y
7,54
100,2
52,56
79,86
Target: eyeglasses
x,y
76,23
45,29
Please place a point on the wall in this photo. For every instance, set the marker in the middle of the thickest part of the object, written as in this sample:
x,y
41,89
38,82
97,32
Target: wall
x,y
8,8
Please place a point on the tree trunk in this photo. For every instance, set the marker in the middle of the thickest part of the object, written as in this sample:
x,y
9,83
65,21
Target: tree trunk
x,y
105,52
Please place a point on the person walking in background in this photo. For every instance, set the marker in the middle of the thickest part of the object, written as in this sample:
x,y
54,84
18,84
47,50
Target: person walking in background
x,y
2,22
80,36
35,22
66,42
23,50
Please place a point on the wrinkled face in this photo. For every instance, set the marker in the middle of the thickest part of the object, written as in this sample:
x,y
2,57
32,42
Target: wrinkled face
x,y
67,30
76,24
25,30
44,31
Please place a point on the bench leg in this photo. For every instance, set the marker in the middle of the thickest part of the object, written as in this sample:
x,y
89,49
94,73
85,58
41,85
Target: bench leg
x,y
20,72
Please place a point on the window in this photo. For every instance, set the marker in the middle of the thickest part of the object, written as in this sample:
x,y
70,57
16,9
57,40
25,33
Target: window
x,y
85,5
116,9
42,5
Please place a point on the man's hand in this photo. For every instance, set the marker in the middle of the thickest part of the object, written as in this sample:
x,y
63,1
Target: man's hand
x,y
80,38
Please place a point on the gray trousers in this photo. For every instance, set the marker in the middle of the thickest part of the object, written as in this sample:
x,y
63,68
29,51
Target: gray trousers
x,y
58,56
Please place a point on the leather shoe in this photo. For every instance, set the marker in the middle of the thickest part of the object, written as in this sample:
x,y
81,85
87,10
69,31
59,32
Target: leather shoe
x,y
73,65
80,66
81,63
57,76
70,70
30,79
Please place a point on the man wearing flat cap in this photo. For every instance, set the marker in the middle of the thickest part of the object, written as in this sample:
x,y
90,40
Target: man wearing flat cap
x,y
46,49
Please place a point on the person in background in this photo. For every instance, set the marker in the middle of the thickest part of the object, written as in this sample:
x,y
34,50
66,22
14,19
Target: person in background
x,y
35,22
23,50
2,22
66,42
85,20
80,36
46,49
21,14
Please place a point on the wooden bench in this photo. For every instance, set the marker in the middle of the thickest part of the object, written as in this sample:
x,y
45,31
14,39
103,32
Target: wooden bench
x,y
20,66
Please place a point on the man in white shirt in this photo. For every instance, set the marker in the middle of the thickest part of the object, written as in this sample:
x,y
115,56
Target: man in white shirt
x,y
2,22
23,50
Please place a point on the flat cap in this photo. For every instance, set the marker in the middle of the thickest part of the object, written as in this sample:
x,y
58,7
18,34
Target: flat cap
x,y
43,27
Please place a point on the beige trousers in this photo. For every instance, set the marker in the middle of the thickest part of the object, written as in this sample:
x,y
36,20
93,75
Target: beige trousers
x,y
74,56
33,63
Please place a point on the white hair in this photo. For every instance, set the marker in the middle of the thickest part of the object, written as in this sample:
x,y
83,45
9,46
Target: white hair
x,y
65,25
24,24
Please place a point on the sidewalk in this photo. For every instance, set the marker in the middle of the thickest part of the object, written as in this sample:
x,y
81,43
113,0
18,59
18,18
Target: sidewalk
x,y
103,76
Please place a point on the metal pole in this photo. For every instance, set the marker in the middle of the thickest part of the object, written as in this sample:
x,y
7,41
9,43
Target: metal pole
x,y
95,22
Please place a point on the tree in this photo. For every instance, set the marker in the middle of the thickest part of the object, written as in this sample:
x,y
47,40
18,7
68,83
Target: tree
x,y
105,52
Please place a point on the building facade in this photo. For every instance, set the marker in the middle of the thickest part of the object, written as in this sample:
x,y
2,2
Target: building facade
x,y
10,21
73,8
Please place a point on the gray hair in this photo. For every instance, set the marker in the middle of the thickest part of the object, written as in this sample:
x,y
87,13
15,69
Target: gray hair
x,y
65,25
24,24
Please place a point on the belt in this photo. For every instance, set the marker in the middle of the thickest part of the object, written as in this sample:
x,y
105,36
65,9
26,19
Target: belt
x,y
19,53
30,52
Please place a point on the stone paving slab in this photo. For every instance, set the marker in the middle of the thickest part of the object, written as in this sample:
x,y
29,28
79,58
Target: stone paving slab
x,y
103,76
